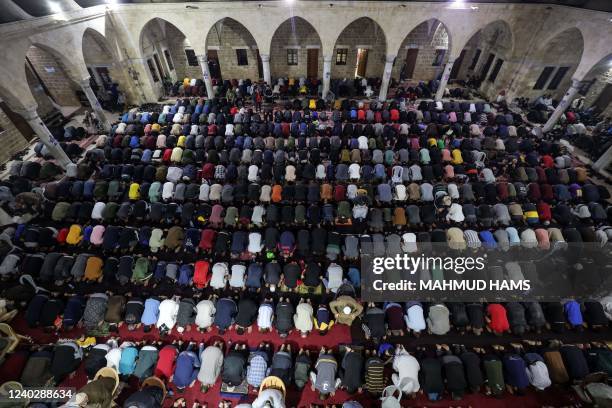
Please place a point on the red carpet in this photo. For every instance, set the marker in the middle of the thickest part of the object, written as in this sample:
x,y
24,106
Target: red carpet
x,y
338,335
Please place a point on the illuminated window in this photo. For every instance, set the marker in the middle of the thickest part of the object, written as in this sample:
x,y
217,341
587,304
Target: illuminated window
x,y
292,56
341,56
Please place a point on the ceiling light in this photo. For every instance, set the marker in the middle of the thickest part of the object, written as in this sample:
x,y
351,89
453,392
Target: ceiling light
x,y
474,7
290,1
457,5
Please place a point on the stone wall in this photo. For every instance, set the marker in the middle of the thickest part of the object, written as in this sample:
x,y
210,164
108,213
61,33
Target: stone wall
x,y
45,105
96,55
226,36
153,42
603,77
557,53
293,33
11,139
54,76
179,58
427,37
495,38
361,33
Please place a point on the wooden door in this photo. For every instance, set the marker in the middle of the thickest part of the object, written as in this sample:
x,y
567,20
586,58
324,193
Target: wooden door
x,y
604,98
312,63
213,64
411,59
362,62
457,66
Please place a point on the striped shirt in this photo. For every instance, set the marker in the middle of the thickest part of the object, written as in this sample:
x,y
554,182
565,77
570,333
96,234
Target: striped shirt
x,y
375,380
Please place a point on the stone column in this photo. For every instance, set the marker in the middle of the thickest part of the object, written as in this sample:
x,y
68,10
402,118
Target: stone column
x,y
560,109
327,61
206,75
384,86
95,104
265,64
444,80
41,130
604,161
139,74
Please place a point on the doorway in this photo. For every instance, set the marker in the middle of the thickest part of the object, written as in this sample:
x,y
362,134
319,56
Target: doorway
x,y
457,66
411,59
604,98
312,63
213,64
362,62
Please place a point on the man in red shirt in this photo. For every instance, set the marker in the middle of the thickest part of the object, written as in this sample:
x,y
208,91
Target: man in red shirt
x,y
201,275
497,319
166,361
207,240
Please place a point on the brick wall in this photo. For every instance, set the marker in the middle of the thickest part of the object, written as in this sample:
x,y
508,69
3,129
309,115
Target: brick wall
x,y
54,76
11,140
361,32
427,38
294,32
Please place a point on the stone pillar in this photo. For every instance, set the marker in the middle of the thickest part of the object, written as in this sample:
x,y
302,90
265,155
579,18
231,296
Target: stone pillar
x,y
41,130
384,86
139,74
444,80
560,109
265,64
604,161
206,75
95,104
327,61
